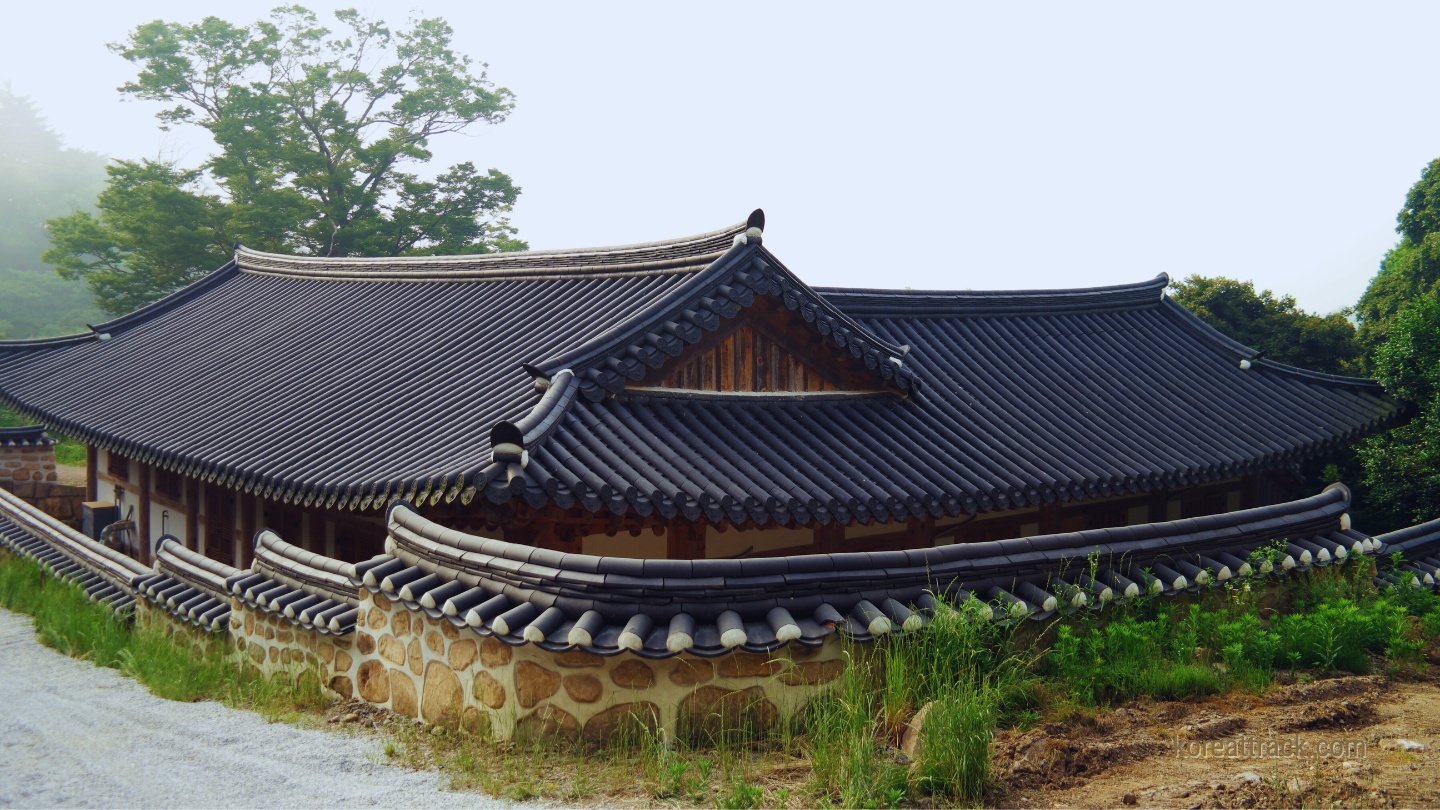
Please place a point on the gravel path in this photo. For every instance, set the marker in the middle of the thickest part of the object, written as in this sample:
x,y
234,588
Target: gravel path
x,y
76,735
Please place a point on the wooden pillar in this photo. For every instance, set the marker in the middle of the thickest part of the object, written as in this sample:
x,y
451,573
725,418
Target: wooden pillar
x,y
685,541
830,538
1049,518
1251,492
546,536
92,472
142,523
247,507
1158,506
204,521
190,492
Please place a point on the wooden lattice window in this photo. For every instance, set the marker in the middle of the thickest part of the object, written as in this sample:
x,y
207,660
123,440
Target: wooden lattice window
x,y
117,466
169,484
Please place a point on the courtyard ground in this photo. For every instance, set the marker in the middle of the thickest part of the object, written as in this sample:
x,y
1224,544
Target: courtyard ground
x,y
76,735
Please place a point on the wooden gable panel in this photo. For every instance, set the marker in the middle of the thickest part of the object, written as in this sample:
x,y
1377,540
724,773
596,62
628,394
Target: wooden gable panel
x,y
746,359
767,350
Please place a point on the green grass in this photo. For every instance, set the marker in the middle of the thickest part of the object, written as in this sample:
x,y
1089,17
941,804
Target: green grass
x,y
970,671
70,623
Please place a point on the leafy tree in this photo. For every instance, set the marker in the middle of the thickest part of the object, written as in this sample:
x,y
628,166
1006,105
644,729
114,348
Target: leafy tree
x,y
39,178
1273,325
1402,466
316,132
1410,269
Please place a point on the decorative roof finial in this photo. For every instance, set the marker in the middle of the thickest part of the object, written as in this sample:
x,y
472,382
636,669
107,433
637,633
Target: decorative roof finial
x,y
755,226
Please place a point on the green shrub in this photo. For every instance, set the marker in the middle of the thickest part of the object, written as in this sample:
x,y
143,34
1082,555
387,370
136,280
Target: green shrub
x,y
1341,634
1416,600
1430,624
955,765
742,795
844,745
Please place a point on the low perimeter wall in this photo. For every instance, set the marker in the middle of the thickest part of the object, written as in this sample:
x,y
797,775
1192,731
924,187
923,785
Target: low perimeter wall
x,y
431,670
517,643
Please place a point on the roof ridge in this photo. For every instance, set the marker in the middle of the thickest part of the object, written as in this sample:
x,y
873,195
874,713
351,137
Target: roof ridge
x,y
874,301
1252,357
681,253
104,329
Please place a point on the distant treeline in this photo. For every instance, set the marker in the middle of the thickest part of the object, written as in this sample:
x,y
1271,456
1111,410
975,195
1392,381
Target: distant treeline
x,y
39,179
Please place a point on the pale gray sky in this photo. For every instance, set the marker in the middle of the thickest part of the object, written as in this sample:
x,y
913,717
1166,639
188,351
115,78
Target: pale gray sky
x,y
947,145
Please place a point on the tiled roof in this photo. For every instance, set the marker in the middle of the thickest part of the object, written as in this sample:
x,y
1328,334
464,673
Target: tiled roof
x,y
188,585
360,382
27,436
660,608
1020,399
306,588
1419,547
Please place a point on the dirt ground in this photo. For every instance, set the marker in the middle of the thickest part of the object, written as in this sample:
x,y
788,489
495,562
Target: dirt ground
x,y
71,475
1357,741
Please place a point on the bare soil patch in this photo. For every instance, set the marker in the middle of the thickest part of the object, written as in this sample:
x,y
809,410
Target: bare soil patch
x,y
1331,742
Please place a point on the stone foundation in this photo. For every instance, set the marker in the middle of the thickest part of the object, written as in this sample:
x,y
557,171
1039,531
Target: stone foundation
x,y
273,644
435,672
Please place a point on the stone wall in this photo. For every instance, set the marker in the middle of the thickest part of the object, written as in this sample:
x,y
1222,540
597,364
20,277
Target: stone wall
x,y
430,670
198,641
274,644
28,470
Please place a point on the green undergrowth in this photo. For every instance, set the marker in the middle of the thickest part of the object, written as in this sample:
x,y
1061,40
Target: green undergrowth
x,y
70,623
1238,635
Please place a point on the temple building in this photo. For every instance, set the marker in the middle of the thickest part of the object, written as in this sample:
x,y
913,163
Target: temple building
x,y
561,494
683,399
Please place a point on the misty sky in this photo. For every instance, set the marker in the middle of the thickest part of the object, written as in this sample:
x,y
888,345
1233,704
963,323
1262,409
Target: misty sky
x,y
956,146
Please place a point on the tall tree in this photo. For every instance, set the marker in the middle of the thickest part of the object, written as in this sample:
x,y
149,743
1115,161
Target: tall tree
x,y
317,132
1402,466
1274,325
1399,316
39,178
1409,270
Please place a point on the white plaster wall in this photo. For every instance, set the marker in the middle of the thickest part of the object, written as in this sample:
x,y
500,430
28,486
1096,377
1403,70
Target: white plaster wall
x,y
172,524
